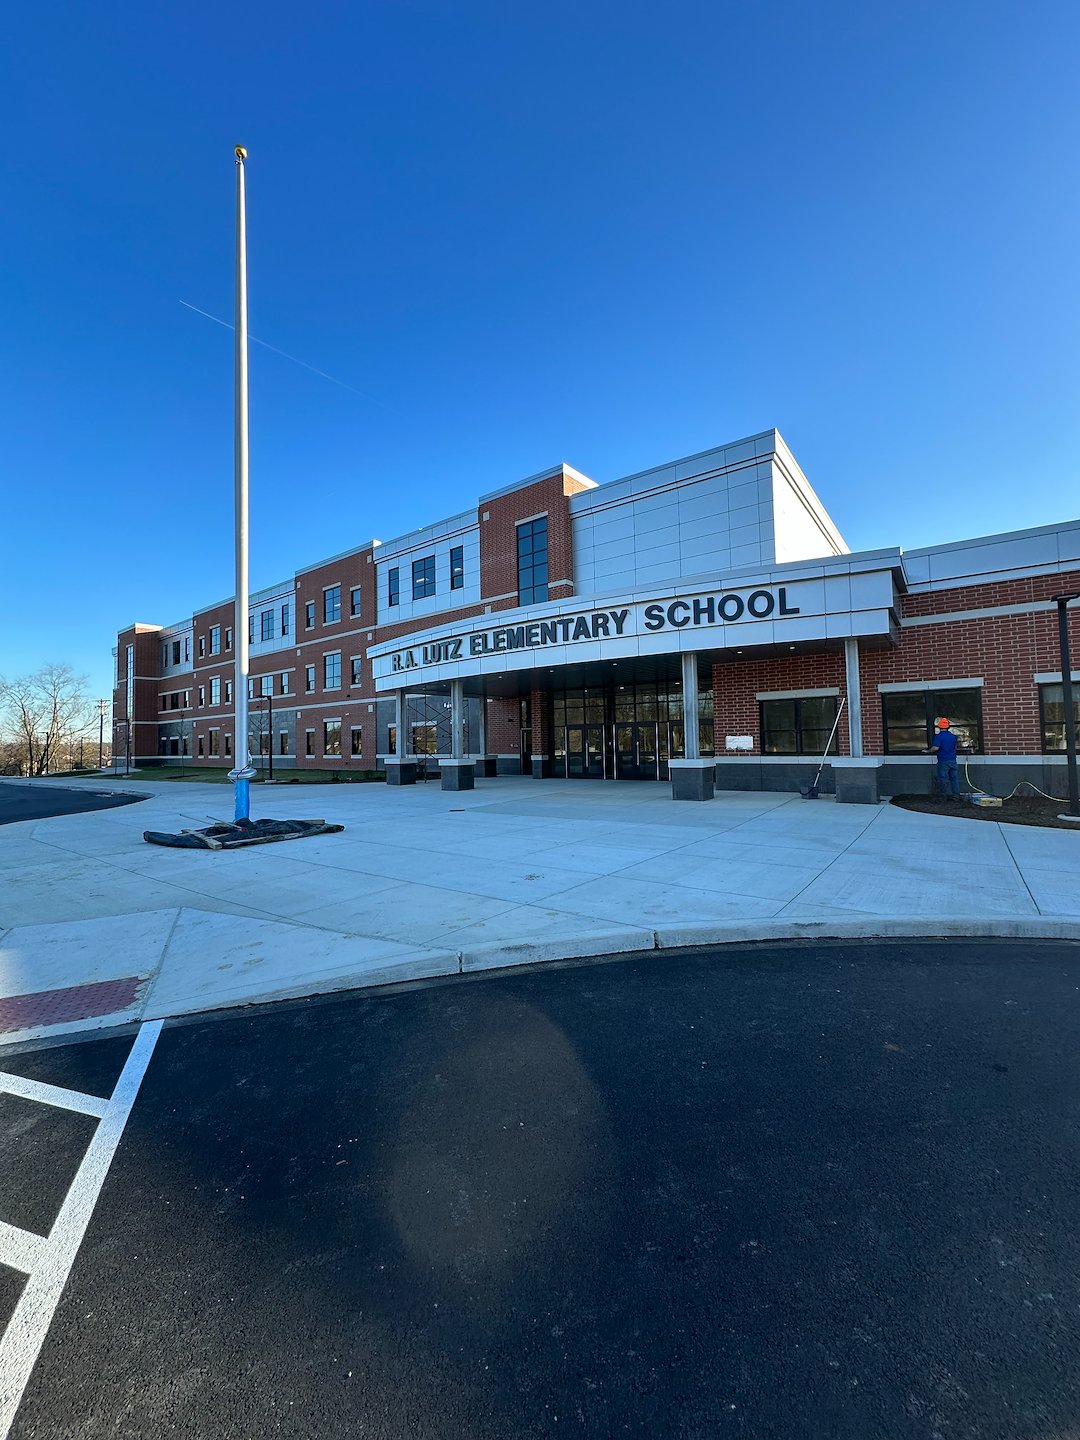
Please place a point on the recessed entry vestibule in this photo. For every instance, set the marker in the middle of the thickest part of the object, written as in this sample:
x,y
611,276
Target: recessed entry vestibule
x,y
622,731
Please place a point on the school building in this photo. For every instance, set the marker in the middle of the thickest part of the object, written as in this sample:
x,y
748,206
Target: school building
x,y
700,624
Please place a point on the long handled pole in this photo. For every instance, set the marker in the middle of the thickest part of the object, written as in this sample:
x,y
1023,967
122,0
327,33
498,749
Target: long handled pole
x,y
1067,700
242,770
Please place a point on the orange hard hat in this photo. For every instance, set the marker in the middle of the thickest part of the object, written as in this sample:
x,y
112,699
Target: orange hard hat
x,y
943,723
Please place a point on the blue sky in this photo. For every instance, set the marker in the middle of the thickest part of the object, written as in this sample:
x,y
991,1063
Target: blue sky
x,y
609,234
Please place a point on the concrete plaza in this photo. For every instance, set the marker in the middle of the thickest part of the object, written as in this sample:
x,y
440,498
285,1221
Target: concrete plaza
x,y
425,883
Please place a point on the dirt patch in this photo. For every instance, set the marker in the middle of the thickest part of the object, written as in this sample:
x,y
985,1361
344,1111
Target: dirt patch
x,y
1019,810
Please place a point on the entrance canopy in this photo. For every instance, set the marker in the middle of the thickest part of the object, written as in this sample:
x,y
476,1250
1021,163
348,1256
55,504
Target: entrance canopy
x,y
800,606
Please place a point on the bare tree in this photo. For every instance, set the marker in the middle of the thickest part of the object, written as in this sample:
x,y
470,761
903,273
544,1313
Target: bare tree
x,y
42,716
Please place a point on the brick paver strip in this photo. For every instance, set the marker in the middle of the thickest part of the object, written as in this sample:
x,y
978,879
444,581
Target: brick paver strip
x,y
76,1002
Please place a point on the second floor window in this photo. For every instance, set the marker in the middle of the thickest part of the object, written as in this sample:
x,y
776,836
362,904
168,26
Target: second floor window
x,y
267,685
457,567
309,614
532,558
354,601
215,639
228,637
332,604
354,668
393,586
228,692
309,678
284,682
215,691
266,625
423,577
332,671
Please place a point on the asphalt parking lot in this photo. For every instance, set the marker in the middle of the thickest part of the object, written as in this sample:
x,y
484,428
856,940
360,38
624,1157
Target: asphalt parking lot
x,y
814,1190
42,802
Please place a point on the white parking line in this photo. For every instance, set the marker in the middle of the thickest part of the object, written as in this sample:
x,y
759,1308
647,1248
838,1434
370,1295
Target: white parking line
x,y
49,1259
21,1249
52,1095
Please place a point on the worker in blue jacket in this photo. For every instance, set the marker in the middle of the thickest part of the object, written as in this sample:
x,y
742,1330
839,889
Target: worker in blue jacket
x,y
944,747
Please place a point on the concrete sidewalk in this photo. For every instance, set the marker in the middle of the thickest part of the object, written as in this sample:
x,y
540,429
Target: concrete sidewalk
x,y
97,927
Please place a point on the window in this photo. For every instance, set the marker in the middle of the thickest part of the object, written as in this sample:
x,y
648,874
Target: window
x,y
251,687
251,629
354,601
202,646
266,625
228,637
331,737
187,700
425,738
423,577
266,685
332,671
309,742
283,742
228,746
202,752
457,567
284,682
215,639
187,647
798,726
909,716
309,615
1052,710
284,619
215,690
215,742
264,742
228,692
202,696
184,750
354,670
164,655
357,740
174,700
391,739
309,678
532,548
393,586
176,652
331,600
164,702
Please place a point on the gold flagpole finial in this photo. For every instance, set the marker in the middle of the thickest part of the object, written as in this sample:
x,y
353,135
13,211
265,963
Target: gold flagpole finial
x,y
241,153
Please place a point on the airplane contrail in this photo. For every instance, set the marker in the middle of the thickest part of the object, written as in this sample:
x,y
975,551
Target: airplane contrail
x,y
285,355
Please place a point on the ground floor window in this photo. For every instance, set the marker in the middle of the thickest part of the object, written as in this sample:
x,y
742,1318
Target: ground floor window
x,y
624,732
309,742
283,742
910,719
228,745
391,739
357,740
215,742
201,751
264,742
1052,710
798,725
332,737
425,738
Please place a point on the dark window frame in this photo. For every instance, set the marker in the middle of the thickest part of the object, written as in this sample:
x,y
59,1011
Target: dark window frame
x,y
799,728
457,567
1056,685
423,577
266,624
533,576
393,586
933,707
355,601
309,615
331,604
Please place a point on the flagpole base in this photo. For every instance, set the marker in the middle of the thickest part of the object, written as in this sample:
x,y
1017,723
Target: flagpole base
x,y
242,792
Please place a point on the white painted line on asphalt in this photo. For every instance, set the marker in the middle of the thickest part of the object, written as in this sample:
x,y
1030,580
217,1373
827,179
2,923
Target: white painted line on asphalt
x,y
25,1334
52,1095
21,1249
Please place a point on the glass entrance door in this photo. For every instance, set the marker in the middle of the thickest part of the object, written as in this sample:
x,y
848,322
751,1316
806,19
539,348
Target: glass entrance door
x,y
585,752
622,732
637,750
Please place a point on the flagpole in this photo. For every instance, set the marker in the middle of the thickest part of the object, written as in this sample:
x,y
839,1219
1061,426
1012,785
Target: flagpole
x,y
242,770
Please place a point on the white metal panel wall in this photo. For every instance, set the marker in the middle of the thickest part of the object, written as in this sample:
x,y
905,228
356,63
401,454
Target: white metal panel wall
x,y
444,598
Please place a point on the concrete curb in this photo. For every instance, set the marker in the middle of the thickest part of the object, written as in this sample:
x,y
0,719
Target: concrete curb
x,y
600,944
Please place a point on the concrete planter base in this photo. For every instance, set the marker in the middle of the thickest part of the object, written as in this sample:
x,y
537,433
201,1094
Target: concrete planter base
x,y
692,779
458,774
401,772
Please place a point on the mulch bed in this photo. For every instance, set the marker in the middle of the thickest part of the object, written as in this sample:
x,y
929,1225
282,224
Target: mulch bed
x,y
1020,810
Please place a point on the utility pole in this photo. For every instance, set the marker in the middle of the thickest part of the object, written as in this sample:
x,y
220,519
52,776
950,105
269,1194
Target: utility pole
x,y
242,770
101,734
1062,602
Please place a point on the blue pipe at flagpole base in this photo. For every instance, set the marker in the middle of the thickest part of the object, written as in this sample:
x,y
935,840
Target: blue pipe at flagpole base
x,y
242,809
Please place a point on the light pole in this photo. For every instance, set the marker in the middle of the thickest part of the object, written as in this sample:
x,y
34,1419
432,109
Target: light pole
x,y
101,734
1062,602
242,771
183,718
